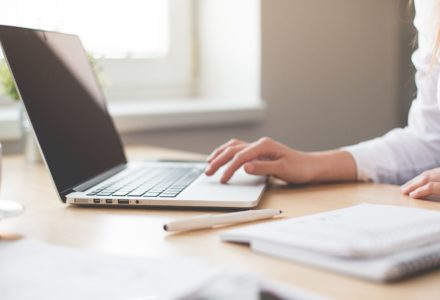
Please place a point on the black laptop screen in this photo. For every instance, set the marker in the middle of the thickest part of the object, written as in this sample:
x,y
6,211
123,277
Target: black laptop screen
x,y
65,104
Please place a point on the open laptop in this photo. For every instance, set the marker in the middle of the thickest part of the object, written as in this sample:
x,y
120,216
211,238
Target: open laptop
x,y
79,142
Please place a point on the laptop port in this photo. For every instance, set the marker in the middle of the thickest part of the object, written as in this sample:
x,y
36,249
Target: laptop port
x,y
108,201
96,200
123,201
81,201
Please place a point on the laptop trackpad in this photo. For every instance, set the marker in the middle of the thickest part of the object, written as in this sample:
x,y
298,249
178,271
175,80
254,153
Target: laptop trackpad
x,y
241,187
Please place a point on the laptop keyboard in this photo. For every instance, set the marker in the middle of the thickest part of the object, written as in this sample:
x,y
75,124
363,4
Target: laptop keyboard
x,y
150,182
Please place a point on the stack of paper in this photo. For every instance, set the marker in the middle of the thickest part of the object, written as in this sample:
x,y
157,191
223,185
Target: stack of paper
x,y
33,270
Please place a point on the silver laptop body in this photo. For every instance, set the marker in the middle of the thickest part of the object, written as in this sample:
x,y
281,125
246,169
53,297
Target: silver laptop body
x,y
188,187
79,142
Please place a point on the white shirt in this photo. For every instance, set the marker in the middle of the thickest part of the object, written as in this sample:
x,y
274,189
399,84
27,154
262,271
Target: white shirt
x,y
404,153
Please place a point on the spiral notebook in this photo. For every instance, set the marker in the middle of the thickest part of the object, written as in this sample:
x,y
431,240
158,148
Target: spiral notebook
x,y
377,242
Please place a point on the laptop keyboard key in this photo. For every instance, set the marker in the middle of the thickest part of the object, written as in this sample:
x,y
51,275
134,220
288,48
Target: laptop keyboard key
x,y
171,190
168,195
103,194
120,193
136,194
155,190
150,194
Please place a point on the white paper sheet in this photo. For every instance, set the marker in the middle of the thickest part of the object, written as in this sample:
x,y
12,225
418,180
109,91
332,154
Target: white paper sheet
x,y
33,270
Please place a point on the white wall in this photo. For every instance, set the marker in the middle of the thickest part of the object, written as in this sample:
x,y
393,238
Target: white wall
x,y
229,49
330,70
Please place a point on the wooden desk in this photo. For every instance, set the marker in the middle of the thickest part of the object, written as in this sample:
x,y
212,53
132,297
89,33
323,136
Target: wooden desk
x,y
139,231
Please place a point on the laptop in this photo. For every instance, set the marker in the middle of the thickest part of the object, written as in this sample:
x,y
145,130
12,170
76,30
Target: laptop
x,y
79,142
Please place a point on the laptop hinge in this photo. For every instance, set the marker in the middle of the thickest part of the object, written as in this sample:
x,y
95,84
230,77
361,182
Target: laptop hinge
x,y
95,180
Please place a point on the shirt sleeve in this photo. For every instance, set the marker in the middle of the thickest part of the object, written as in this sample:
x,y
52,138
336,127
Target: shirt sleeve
x,y
394,158
403,153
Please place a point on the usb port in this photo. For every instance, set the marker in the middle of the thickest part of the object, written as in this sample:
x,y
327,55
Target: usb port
x,y
123,201
108,201
96,200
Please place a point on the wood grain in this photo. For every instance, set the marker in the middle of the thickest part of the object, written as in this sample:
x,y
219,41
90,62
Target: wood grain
x,y
139,231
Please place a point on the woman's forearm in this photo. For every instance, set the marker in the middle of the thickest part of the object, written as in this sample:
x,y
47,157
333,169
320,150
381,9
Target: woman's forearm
x,y
334,165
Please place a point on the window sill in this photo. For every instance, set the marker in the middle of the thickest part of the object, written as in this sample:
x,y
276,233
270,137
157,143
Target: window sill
x,y
166,114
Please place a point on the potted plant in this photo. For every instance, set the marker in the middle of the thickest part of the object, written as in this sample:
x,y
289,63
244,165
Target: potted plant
x,y
30,146
8,85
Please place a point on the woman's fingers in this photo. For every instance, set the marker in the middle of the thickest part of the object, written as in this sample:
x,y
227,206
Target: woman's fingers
x,y
262,148
220,149
415,183
225,156
424,185
429,189
421,180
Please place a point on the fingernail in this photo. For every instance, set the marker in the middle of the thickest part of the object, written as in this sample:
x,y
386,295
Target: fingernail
x,y
208,169
412,194
249,167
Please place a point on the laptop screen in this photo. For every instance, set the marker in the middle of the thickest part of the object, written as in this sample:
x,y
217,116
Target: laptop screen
x,y
65,104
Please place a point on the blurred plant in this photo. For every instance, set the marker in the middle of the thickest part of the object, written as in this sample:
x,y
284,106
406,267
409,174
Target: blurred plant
x,y
97,69
8,88
7,82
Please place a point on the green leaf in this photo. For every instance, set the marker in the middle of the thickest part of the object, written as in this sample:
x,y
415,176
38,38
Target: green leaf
x,y
8,85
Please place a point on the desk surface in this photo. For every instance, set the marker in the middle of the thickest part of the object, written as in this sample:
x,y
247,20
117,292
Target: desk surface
x,y
139,231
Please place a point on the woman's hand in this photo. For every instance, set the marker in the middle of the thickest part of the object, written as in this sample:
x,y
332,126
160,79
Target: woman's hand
x,y
422,186
263,157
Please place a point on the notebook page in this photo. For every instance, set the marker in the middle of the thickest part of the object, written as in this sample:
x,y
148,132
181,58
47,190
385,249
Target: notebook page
x,y
391,267
358,231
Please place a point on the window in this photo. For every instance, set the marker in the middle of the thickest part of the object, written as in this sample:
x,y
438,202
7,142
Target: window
x,y
143,46
104,29
204,55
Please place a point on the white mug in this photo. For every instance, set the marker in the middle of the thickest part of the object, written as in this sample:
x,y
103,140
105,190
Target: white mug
x,y
8,208
1,167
